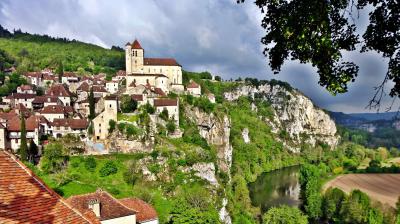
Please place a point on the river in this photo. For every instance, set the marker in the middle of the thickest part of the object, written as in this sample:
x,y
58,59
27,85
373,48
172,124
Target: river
x,y
278,187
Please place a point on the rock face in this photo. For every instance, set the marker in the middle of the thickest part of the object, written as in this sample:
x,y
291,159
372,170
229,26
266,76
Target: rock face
x,y
245,135
217,132
205,171
294,113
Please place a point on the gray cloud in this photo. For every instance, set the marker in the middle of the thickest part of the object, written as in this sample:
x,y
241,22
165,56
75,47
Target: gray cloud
x,y
218,36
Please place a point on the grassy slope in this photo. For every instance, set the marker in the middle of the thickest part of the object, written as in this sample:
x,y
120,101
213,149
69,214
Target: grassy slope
x,y
74,55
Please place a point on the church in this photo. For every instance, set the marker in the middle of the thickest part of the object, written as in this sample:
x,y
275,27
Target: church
x,y
155,73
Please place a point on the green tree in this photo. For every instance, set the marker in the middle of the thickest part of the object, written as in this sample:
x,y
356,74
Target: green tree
x,y
332,203
164,114
90,164
127,104
111,125
171,126
60,71
92,105
54,158
317,32
356,208
23,148
32,151
284,215
108,168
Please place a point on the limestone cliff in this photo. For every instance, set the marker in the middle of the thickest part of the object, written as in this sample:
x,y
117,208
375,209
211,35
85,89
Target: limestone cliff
x,y
293,112
216,130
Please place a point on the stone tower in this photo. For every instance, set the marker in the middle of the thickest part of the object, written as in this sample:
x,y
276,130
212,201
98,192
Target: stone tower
x,y
134,54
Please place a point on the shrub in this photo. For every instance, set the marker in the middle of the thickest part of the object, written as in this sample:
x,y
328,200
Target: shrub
x,y
130,177
204,104
121,127
149,109
111,125
131,131
164,114
171,126
127,104
108,169
90,164
155,168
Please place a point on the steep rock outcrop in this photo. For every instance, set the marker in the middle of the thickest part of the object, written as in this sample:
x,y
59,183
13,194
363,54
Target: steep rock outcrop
x,y
216,131
294,113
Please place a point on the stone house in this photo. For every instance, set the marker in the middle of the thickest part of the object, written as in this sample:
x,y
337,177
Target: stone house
x,y
112,86
63,127
171,105
193,88
101,122
27,89
61,92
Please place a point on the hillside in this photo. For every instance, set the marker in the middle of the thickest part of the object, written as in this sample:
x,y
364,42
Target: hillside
x,y
371,130
35,52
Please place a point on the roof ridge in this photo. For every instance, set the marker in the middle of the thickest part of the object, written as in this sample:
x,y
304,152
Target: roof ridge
x,y
119,201
43,185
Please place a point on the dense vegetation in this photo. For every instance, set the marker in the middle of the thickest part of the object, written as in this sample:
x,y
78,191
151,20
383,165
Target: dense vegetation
x,y
32,52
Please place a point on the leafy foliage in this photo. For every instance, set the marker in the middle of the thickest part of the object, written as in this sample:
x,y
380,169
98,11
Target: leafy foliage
x,y
284,215
90,164
54,158
35,52
23,148
317,32
108,169
127,104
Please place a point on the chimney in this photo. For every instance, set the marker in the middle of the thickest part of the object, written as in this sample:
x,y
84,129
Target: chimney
x,y
94,205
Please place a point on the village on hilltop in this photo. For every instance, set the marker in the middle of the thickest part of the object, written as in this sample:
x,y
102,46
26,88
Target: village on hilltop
x,y
52,106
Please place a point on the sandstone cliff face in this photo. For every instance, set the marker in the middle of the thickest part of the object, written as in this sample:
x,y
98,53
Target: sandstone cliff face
x,y
216,131
294,113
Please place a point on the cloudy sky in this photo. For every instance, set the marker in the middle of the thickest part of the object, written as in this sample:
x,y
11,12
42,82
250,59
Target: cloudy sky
x,y
219,36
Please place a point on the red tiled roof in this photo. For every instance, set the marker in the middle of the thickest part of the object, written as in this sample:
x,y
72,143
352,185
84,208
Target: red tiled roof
x,y
58,90
9,115
49,77
31,123
53,109
25,87
145,212
159,91
33,74
24,198
165,102
161,61
143,74
72,123
70,74
84,87
99,89
21,96
43,99
136,45
110,208
137,97
193,85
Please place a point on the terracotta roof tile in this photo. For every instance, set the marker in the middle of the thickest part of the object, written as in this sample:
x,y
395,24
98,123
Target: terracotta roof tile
x,y
110,208
26,199
58,90
44,99
84,86
137,97
31,123
164,102
161,61
145,212
54,109
72,123
136,45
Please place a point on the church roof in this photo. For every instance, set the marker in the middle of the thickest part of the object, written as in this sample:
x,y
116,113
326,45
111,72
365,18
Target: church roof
x,y
161,61
136,45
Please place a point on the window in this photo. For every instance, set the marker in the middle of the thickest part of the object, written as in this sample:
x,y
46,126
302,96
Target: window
x,y
98,137
110,105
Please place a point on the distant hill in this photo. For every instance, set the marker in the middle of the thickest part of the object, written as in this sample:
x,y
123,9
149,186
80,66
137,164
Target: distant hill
x,y
34,52
369,129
